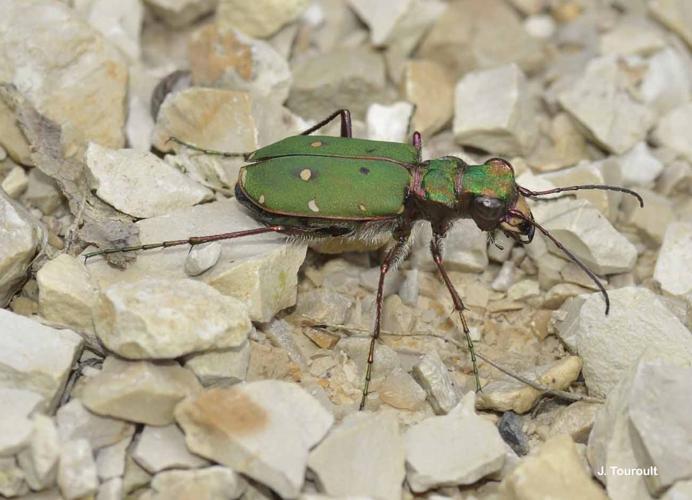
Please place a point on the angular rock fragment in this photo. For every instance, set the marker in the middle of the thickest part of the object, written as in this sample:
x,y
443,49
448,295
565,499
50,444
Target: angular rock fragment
x,y
423,79
454,449
202,258
166,319
343,470
666,84
471,35
336,80
601,103
653,219
179,13
39,460
110,460
140,392
588,234
20,237
111,489
262,18
139,184
389,123
259,270
232,60
674,264
87,93
119,22
77,471
633,429
15,182
400,390
493,111
639,167
433,376
15,424
556,470
160,448
66,295
512,395
215,119
221,367
11,479
76,422
676,15
35,357
210,482
638,322
239,427
670,131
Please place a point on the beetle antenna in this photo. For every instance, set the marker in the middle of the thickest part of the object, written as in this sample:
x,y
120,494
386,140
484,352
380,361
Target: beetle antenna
x,y
569,254
532,194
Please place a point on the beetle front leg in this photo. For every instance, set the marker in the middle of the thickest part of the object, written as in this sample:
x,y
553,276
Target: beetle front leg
x,y
345,115
436,250
397,252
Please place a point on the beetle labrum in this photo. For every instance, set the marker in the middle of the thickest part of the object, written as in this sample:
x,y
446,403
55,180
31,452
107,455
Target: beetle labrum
x,y
314,187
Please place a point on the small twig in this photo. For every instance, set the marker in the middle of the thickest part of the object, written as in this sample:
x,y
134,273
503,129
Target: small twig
x,y
570,396
74,227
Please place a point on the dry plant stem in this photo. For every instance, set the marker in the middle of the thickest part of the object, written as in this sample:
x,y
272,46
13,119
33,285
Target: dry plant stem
x,y
74,227
545,391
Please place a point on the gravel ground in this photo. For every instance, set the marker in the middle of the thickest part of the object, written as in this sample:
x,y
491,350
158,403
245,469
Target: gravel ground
x,y
234,369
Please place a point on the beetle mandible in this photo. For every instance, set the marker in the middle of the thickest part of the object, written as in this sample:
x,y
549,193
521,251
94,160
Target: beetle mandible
x,y
361,189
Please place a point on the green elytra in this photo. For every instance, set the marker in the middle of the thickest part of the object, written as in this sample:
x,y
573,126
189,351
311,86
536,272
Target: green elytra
x,y
318,187
360,180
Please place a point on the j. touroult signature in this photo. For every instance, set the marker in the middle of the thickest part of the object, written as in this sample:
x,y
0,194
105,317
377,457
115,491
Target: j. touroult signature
x,y
614,470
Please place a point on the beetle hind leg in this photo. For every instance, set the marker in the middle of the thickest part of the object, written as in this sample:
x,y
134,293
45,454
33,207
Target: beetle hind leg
x,y
436,250
207,151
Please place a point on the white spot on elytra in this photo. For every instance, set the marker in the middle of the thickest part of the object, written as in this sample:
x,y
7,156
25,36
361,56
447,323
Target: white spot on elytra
x,y
305,174
316,144
362,207
313,206
261,199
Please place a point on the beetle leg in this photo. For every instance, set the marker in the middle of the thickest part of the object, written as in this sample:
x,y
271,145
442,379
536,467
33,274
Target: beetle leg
x,y
345,115
397,252
436,251
194,240
207,151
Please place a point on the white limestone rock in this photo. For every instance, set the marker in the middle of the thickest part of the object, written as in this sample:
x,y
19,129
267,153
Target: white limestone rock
x,y
210,482
399,24
202,258
86,93
422,79
259,270
666,84
455,449
261,18
111,489
140,184
227,366
400,390
262,429
66,295
74,421
160,448
11,479
556,470
671,130
493,111
639,167
166,319
39,460
15,424
20,237
673,269
588,234
653,219
633,429
110,460
389,122
432,374
141,391
15,182
35,357
632,36
638,322
343,470
179,13
674,14
120,22
77,470
600,102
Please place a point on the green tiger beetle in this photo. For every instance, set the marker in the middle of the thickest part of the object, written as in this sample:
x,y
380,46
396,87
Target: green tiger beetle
x,y
313,187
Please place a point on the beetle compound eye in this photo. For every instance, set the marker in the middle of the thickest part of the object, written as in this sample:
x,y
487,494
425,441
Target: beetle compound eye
x,y
490,209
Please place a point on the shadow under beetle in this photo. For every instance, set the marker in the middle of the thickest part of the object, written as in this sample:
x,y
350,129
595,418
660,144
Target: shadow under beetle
x,y
315,187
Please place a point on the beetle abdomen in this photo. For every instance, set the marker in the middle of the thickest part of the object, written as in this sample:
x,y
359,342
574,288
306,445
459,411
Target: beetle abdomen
x,y
326,187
